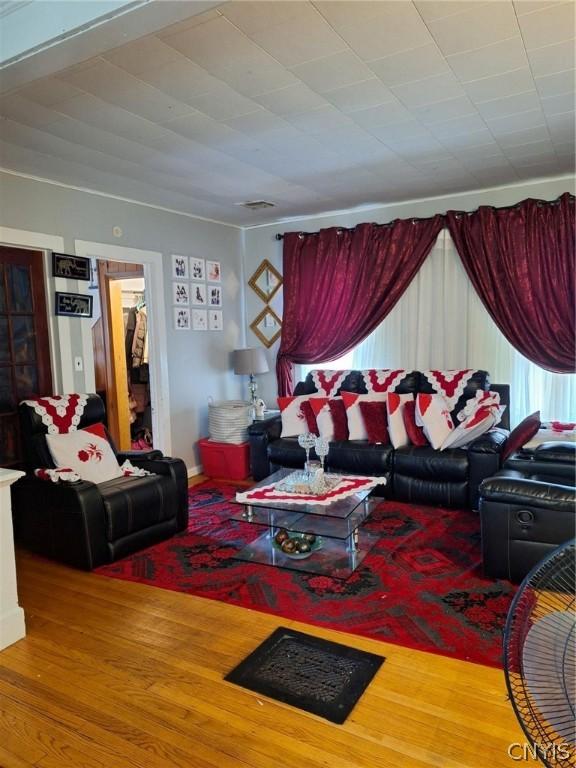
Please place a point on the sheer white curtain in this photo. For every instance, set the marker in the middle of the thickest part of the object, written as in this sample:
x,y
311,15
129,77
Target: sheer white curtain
x,y
441,323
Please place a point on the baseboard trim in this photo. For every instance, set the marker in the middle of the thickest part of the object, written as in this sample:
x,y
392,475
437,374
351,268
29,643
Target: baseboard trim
x,y
193,471
12,627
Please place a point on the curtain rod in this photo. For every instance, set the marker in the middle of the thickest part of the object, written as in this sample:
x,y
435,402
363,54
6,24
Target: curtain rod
x,y
279,236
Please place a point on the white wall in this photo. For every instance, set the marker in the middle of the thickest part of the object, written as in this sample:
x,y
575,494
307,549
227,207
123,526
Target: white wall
x,y
198,363
260,242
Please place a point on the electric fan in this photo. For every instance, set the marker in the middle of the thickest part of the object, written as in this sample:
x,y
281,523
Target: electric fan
x,y
540,658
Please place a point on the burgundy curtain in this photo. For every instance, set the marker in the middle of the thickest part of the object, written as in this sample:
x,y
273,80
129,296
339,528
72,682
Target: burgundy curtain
x,y
340,284
521,262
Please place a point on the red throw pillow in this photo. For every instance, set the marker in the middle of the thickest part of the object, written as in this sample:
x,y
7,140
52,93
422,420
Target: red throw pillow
x,y
415,433
521,434
310,417
375,421
338,411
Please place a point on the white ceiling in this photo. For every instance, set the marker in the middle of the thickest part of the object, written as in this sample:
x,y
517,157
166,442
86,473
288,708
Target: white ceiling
x,y
315,106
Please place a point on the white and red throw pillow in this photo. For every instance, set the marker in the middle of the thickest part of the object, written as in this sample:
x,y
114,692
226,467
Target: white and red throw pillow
x,y
328,382
480,413
449,384
356,426
321,409
294,420
86,452
396,425
433,415
382,379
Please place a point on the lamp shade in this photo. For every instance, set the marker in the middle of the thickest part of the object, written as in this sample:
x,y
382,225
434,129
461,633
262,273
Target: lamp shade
x,y
250,360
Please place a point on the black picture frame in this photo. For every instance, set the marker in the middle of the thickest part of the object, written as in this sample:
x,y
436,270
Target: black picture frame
x,y
73,304
70,267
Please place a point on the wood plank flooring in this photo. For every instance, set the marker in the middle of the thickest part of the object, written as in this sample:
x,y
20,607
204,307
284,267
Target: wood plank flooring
x,y
120,675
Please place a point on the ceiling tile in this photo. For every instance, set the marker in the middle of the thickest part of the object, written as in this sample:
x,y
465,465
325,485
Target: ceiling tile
x,y
183,80
500,86
299,41
553,85
142,54
290,100
562,127
491,60
529,150
223,103
391,112
415,64
49,91
517,122
261,121
548,25
557,105
319,120
330,72
430,10
441,111
422,92
402,130
492,177
529,6
399,30
553,58
93,111
475,28
250,79
253,17
28,112
525,136
459,126
480,142
370,93
520,102
342,15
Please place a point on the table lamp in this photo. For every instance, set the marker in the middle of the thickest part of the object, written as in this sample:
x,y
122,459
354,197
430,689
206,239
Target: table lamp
x,y
247,362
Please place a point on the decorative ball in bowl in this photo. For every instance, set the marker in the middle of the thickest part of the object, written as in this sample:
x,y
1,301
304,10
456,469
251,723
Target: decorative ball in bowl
x,y
298,546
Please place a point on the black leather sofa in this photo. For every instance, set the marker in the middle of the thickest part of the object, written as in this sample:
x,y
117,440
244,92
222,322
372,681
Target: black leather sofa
x,y
414,474
86,524
528,509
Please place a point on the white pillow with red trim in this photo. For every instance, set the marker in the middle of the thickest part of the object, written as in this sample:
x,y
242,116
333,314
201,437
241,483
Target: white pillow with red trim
x,y
86,452
356,426
433,415
481,413
396,427
293,420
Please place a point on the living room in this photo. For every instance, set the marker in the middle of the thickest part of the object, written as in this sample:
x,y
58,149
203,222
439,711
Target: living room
x,y
136,135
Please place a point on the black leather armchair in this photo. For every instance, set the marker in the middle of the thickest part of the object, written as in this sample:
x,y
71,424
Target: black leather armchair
x,y
528,509
86,524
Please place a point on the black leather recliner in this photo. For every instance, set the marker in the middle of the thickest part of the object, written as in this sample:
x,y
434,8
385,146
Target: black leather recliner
x,y
414,474
86,524
528,509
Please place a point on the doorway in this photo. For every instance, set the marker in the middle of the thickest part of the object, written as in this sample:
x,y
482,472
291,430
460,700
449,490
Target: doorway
x,y
120,339
24,345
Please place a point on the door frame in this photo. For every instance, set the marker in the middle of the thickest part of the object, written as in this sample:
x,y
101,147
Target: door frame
x,y
159,378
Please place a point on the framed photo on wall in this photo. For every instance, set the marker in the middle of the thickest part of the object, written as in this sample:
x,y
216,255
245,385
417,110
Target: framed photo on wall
x,y
214,296
73,304
197,268
198,294
181,319
180,294
213,271
215,320
179,267
199,320
71,267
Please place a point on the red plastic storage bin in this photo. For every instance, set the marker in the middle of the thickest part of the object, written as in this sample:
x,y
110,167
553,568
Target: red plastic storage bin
x,y
225,460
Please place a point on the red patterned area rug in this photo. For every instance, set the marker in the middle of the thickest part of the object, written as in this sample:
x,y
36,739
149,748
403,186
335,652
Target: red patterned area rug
x,y
421,586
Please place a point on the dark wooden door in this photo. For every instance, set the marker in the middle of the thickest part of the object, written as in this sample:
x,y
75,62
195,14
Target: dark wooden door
x,y
24,347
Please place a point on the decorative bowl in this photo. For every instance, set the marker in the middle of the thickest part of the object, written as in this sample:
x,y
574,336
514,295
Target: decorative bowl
x,y
299,555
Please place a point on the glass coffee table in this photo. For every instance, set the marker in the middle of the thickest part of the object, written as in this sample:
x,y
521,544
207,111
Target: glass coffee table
x,y
339,545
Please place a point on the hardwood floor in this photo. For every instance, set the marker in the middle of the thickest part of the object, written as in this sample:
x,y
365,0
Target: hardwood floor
x,y
120,675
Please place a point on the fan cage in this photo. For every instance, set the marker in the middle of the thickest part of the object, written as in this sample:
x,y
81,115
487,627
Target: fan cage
x,y
546,599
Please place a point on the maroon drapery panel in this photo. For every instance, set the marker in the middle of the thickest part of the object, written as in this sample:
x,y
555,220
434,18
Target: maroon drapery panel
x,y
340,284
521,262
